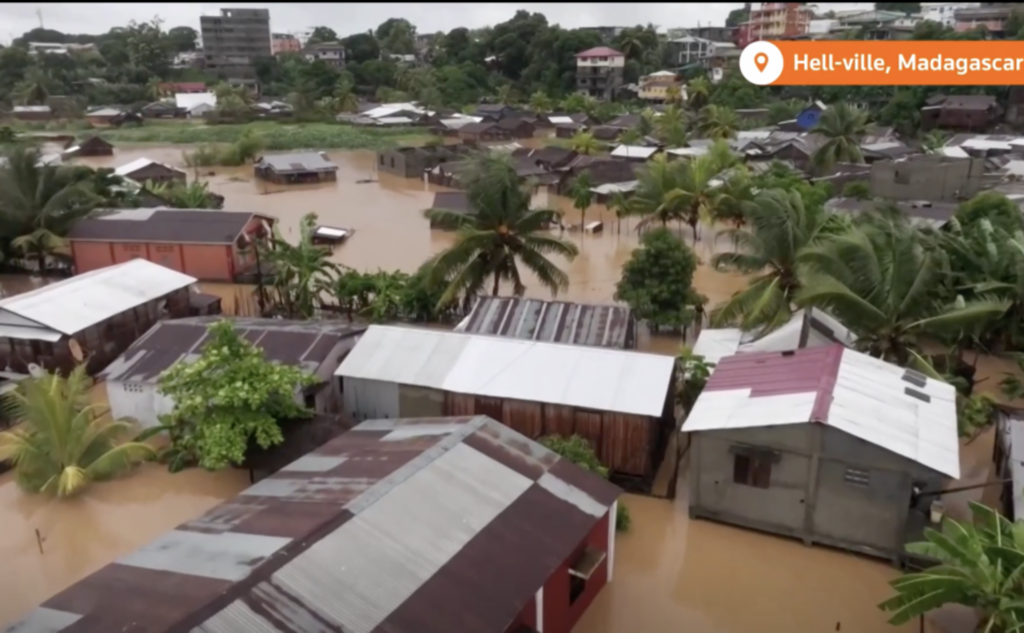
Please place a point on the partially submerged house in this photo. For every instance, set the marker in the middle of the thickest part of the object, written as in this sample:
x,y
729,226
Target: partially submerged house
x,y
603,171
412,162
608,326
206,244
827,445
32,113
966,113
517,127
454,201
106,117
146,170
406,526
621,401
315,346
482,132
92,146
296,168
94,316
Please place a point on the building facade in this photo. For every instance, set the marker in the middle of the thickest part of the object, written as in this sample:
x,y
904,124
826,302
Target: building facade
x,y
330,53
599,72
282,43
775,20
992,17
233,40
944,12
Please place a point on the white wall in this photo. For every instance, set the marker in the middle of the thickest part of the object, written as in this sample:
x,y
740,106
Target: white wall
x,y
369,399
594,62
139,401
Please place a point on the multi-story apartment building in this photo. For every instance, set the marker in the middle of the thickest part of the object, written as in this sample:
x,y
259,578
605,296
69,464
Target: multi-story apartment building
x,y
775,20
688,49
944,12
284,43
233,40
599,72
330,53
655,87
991,16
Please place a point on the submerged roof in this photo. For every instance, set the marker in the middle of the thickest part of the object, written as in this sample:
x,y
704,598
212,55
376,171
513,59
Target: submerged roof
x,y
552,322
298,163
617,381
407,526
140,163
896,409
179,226
73,305
304,344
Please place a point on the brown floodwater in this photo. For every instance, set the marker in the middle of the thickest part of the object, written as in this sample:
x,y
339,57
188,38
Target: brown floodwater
x,y
670,573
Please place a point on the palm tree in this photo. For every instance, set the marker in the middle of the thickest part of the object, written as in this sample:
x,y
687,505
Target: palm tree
x,y
540,102
39,204
932,142
584,143
881,281
980,567
719,122
674,95
619,204
301,271
64,443
345,97
632,136
778,226
502,233
506,95
582,196
843,126
698,91
33,92
645,126
670,127
657,195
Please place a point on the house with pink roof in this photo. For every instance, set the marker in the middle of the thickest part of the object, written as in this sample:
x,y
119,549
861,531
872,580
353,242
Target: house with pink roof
x,y
824,444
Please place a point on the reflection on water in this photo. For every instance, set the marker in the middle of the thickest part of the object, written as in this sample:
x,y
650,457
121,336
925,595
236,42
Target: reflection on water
x,y
671,574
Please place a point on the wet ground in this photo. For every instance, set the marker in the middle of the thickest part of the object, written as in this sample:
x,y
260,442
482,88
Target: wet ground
x,y
671,574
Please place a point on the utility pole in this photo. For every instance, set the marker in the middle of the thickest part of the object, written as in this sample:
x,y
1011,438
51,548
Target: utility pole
x,y
39,14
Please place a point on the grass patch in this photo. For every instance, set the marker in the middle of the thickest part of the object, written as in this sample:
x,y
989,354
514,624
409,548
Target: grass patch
x,y
274,136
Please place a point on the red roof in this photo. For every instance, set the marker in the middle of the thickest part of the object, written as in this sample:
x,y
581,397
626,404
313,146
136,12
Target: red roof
x,y
600,51
183,85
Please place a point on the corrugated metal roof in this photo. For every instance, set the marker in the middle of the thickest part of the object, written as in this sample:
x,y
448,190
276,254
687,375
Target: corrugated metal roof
x,y
618,381
552,322
634,151
716,344
189,100
853,392
140,163
409,526
296,163
74,304
178,226
304,344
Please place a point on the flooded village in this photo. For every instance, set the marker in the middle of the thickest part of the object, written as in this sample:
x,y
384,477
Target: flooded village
x,y
682,353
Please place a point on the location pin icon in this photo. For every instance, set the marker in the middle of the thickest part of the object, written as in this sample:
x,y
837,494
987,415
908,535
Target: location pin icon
x,y
760,60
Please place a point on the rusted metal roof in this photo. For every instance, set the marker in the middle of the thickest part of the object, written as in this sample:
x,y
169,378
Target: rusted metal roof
x,y
304,344
407,526
180,226
552,322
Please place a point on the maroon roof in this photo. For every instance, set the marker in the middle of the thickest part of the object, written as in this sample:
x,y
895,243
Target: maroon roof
x,y
183,85
808,370
176,226
345,539
600,51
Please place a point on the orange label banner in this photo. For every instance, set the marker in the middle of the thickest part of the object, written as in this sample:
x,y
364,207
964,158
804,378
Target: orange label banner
x,y
875,63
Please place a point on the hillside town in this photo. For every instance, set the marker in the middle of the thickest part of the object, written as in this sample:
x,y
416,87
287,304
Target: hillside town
x,y
328,331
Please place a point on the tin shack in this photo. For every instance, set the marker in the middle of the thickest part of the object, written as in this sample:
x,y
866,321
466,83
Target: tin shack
x,y
621,401
315,346
94,316
423,526
307,167
824,444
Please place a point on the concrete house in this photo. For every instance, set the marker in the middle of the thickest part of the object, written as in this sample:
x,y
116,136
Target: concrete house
x,y
307,167
826,444
965,113
932,177
95,316
621,401
609,326
411,162
146,170
427,526
206,244
317,347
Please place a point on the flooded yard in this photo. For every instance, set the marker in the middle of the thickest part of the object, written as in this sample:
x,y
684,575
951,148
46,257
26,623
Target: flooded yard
x,y
671,574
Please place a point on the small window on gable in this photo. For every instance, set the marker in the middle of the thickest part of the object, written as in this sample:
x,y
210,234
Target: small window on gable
x,y
857,477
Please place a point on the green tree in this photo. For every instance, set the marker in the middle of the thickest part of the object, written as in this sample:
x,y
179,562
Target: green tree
x,y
779,226
301,271
718,122
579,451
322,34
502,233
397,36
843,126
657,281
361,48
228,396
980,567
585,143
698,91
540,102
64,443
182,39
670,127
582,196
737,17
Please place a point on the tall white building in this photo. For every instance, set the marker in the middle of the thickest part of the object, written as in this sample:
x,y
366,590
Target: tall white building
x,y
944,12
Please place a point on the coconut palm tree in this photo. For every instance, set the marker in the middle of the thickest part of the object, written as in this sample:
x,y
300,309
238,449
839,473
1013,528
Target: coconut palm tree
x,y
345,96
698,91
718,122
585,143
506,95
778,226
670,127
64,443
39,204
843,126
673,95
882,282
632,136
619,205
301,271
582,196
540,102
657,197
932,141
502,234
645,126
980,567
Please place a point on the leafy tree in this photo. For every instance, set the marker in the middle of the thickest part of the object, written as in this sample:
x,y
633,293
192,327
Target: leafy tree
x,y
502,233
64,443
322,34
182,39
361,48
148,47
397,36
228,396
737,17
582,196
979,567
301,271
697,93
657,281
784,111
858,190
844,126
670,127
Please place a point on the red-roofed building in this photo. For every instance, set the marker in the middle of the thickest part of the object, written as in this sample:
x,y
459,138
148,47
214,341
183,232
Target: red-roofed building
x,y
169,89
775,21
825,444
599,72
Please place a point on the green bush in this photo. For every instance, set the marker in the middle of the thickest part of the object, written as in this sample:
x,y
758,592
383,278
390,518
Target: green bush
x,y
578,451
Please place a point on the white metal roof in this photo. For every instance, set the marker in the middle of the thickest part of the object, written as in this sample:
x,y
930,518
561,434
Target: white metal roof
x,y
868,401
789,335
74,304
954,152
601,379
634,151
616,187
138,164
189,100
716,344
688,151
560,120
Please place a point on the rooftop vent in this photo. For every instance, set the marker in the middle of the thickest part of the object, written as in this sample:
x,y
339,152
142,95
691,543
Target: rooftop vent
x,y
914,393
915,378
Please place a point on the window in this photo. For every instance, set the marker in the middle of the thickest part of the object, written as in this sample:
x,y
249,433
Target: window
x,y
857,477
310,400
582,569
902,177
750,470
